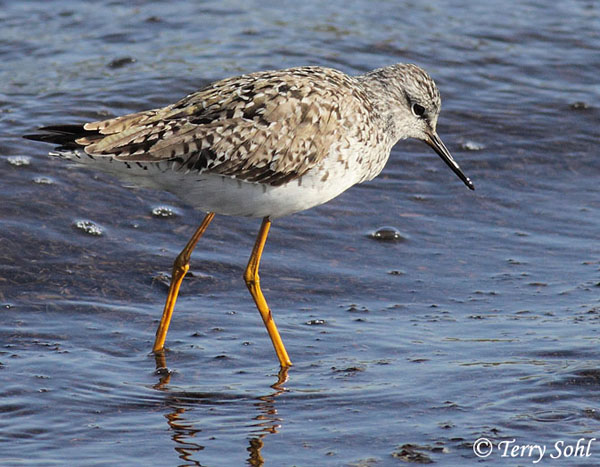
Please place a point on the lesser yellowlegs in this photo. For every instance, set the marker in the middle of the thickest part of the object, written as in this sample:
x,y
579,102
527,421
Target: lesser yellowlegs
x,y
264,144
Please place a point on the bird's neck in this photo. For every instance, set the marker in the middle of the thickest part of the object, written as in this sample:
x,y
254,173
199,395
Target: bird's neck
x,y
384,99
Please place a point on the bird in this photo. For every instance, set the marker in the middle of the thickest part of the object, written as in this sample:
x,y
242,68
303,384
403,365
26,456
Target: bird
x,y
264,145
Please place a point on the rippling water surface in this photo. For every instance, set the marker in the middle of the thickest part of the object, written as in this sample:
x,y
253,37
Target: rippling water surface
x,y
480,320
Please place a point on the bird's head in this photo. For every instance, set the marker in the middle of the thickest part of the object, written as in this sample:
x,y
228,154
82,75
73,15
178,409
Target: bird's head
x,y
412,104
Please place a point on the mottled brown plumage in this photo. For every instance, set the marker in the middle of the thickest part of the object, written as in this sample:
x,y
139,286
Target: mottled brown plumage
x,y
268,127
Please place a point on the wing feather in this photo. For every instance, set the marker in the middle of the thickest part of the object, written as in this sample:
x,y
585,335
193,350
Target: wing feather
x,y
267,127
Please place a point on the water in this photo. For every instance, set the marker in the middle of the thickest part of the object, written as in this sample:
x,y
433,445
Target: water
x,y
479,320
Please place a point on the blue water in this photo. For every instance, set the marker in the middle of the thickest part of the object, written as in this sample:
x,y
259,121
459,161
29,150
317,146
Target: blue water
x,y
481,321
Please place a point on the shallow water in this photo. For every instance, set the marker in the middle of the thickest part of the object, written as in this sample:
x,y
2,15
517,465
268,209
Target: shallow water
x,y
481,320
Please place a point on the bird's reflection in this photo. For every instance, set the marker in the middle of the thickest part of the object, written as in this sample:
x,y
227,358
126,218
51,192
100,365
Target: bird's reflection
x,y
264,423
182,434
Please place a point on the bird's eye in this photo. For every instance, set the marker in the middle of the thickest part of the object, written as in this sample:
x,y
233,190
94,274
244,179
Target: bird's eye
x,y
418,110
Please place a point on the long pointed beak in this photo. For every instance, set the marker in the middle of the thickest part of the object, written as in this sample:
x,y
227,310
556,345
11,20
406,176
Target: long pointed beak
x,y
438,146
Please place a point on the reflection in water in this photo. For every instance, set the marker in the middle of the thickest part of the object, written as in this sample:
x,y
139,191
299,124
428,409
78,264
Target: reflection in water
x,y
183,431
267,419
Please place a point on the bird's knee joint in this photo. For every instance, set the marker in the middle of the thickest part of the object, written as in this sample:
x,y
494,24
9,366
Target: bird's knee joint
x,y
251,280
181,265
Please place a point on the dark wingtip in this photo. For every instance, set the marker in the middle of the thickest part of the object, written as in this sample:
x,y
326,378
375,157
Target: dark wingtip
x,y
62,135
67,129
35,137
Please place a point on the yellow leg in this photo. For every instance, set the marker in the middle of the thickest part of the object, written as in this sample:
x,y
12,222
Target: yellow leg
x,y
180,268
253,283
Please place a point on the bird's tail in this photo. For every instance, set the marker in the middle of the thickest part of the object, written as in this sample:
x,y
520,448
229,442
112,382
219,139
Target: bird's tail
x,y
71,140
63,136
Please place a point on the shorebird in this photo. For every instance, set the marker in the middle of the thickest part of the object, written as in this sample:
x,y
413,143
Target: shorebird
x,y
263,145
